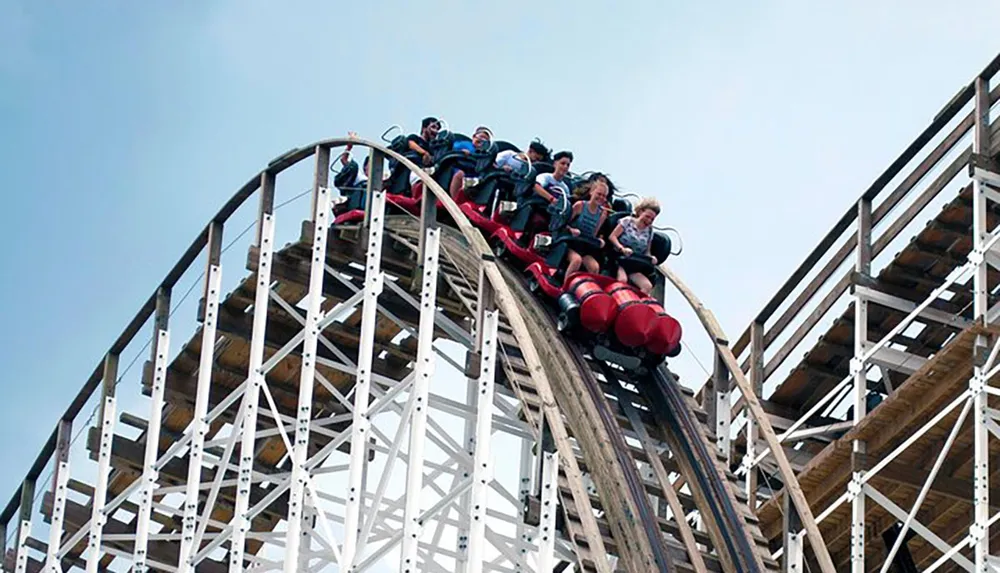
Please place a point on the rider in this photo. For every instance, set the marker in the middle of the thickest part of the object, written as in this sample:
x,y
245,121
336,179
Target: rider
x,y
346,161
634,235
429,128
586,220
511,160
419,144
481,140
551,185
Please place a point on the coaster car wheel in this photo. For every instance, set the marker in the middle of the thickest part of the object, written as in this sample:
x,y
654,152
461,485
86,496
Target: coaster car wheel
x,y
563,323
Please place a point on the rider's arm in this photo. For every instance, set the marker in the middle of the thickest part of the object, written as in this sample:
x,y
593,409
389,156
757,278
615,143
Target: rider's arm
x,y
613,237
414,146
503,157
574,212
600,223
539,190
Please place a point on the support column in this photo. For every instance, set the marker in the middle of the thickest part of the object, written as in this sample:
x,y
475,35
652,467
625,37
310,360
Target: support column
x,y
482,470
24,525
106,422
523,532
321,178
424,371
981,466
362,389
255,374
199,424
549,511
793,534
473,372
721,410
59,492
147,489
859,371
265,205
753,432
307,379
376,162
428,219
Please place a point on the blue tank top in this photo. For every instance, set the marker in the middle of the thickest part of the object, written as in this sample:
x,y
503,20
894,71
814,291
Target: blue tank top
x,y
587,222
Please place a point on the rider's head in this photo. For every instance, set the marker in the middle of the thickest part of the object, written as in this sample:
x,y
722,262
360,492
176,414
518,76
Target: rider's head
x,y
429,128
599,191
561,163
647,210
596,187
537,151
482,137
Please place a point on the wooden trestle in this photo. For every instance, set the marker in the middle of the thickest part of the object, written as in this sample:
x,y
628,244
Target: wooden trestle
x,y
457,299
925,369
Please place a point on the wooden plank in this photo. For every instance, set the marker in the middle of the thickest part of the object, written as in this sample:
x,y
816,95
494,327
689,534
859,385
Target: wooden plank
x,y
894,420
825,305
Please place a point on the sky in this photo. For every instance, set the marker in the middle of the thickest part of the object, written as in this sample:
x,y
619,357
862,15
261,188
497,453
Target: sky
x,y
124,127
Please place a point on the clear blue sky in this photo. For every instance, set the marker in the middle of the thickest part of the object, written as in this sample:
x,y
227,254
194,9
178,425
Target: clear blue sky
x,y
125,125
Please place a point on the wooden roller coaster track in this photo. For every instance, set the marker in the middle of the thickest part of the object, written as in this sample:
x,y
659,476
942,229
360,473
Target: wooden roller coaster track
x,y
289,371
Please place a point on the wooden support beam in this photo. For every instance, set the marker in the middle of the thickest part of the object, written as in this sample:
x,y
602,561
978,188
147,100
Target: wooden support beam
x,y
906,306
898,360
126,455
957,490
78,515
345,338
290,270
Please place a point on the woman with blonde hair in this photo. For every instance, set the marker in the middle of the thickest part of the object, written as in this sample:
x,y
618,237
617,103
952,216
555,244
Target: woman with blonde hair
x,y
634,236
586,219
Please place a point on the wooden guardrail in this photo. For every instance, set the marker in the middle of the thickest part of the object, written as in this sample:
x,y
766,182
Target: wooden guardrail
x,y
841,241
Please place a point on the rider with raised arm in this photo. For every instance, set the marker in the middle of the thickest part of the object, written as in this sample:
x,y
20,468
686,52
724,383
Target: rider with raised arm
x,y
586,220
634,235
347,162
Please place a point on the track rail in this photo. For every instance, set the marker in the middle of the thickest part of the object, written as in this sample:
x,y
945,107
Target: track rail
x,y
603,443
738,544
734,539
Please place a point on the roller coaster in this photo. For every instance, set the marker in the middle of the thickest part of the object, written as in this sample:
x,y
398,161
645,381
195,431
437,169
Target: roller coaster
x,y
406,326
